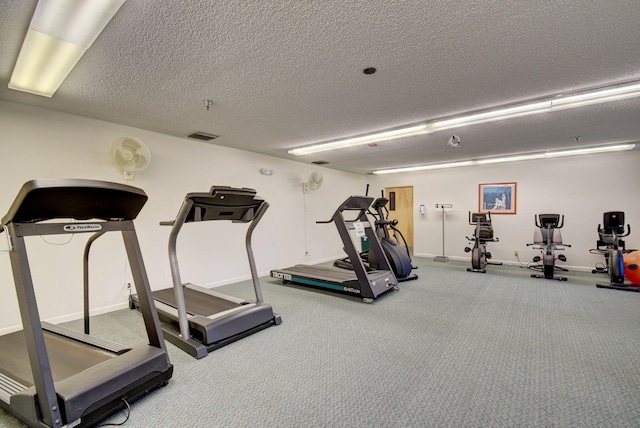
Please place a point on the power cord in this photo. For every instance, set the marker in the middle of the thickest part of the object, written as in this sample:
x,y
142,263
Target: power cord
x,y
528,265
119,423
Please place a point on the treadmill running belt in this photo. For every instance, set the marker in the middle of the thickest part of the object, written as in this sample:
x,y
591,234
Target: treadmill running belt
x,y
67,357
196,303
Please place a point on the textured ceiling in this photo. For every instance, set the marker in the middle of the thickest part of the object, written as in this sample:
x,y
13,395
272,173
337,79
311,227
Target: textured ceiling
x,y
285,73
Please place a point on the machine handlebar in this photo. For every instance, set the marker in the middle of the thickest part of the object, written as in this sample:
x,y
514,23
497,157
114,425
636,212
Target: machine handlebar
x,y
603,231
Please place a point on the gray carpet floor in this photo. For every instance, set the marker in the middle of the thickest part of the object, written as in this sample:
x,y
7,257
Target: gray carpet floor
x,y
451,349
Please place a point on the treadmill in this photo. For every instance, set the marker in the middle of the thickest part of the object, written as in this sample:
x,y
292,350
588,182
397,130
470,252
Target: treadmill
x,y
361,283
199,320
51,376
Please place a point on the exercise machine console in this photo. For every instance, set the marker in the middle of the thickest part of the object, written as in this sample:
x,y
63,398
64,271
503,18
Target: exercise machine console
x,y
482,234
199,320
361,283
548,238
51,376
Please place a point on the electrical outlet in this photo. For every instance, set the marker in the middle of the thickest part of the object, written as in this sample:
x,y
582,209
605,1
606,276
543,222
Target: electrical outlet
x,y
515,253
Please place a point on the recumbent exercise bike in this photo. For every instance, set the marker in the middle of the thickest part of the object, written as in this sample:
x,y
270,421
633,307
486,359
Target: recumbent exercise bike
x,y
548,238
482,234
612,248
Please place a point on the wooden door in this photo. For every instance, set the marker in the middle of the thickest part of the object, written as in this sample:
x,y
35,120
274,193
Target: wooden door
x,y
400,207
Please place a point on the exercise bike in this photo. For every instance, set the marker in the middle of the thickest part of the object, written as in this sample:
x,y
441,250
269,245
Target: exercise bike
x,y
548,238
482,234
612,248
396,253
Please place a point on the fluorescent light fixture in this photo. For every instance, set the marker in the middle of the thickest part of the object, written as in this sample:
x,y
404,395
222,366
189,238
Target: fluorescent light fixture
x,y
514,158
560,102
423,167
491,115
59,34
590,150
612,93
517,158
364,139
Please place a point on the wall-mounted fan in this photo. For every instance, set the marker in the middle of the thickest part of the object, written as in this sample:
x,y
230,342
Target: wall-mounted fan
x,y
313,182
131,155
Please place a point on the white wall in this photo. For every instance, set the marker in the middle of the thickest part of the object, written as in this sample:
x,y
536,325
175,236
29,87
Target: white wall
x,y
580,187
37,143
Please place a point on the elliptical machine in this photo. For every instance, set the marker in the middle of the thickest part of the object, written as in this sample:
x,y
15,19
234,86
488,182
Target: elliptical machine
x,y
396,253
613,248
548,238
482,234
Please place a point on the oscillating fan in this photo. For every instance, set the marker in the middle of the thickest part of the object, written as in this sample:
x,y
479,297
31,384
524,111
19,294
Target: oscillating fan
x,y
313,183
131,155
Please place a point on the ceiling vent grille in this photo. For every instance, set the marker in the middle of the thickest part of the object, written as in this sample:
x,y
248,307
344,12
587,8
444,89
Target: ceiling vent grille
x,y
202,136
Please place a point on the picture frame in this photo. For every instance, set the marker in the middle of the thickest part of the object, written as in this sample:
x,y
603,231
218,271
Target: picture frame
x,y
499,198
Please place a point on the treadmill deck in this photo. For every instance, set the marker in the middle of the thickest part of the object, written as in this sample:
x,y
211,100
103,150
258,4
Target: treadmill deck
x,y
341,280
197,303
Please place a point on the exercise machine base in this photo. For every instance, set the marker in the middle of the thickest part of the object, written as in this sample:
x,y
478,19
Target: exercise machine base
x,y
345,263
198,350
339,281
408,278
483,270
557,278
630,287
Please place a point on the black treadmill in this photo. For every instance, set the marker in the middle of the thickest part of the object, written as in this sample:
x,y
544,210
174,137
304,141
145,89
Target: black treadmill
x,y
361,283
197,319
51,376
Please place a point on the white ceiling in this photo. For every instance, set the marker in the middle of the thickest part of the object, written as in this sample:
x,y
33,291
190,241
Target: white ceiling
x,y
285,73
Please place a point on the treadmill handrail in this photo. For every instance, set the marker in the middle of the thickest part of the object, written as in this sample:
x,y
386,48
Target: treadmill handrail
x,y
85,265
252,264
175,268
352,203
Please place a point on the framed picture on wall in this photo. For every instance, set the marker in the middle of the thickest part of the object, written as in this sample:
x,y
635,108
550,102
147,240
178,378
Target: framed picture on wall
x,y
499,198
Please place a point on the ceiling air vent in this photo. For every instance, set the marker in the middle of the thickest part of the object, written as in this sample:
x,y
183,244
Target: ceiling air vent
x,y
320,162
202,136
